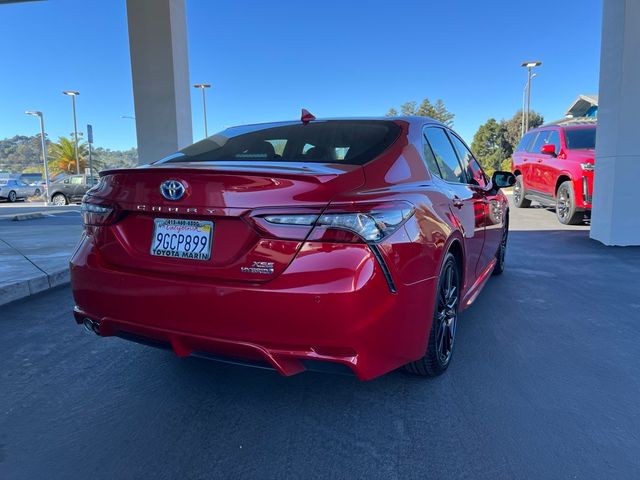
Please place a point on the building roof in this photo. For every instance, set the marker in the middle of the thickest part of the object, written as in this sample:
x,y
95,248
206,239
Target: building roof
x,y
581,105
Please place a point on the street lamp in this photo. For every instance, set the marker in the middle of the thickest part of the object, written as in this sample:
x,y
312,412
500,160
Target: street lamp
x,y
529,66
524,94
128,116
73,94
35,113
203,86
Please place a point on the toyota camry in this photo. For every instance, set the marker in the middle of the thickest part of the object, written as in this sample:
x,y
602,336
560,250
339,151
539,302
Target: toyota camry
x,y
347,244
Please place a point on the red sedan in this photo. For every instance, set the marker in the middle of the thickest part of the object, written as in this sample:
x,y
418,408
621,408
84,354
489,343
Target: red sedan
x,y
351,244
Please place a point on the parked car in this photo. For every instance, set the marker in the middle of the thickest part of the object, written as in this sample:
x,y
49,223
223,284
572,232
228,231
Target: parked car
x,y
70,189
352,243
33,179
554,166
12,189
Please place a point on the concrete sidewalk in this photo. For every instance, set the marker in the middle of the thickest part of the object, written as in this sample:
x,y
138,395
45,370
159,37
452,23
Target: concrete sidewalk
x,y
34,254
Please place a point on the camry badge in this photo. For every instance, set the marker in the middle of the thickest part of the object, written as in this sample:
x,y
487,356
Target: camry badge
x,y
172,189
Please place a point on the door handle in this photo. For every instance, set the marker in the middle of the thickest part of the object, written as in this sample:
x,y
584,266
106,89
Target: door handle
x,y
457,202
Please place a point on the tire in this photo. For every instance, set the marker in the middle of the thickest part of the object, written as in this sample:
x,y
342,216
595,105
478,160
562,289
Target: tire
x,y
445,321
37,193
519,193
59,199
566,205
12,197
502,251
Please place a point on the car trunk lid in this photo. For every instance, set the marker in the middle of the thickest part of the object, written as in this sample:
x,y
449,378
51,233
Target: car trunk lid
x,y
226,194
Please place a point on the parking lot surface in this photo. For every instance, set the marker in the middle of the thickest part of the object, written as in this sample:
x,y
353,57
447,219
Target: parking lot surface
x,y
543,384
34,252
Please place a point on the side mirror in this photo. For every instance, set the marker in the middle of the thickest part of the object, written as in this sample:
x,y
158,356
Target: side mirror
x,y
548,149
503,179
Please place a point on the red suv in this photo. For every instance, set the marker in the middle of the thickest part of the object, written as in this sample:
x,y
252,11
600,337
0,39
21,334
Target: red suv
x,y
554,166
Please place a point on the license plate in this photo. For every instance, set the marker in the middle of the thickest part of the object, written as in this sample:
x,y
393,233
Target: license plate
x,y
177,238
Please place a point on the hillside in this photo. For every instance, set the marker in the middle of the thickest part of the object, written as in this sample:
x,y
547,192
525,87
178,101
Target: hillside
x,y
22,154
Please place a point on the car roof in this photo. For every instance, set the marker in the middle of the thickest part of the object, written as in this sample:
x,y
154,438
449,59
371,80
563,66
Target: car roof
x,y
414,119
572,126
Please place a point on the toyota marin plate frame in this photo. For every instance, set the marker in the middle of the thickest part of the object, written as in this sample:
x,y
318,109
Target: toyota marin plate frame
x,y
181,238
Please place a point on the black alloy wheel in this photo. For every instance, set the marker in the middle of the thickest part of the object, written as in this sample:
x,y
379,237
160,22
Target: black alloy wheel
x,y
519,194
445,322
566,205
502,251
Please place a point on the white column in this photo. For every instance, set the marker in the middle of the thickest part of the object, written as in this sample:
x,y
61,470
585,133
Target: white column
x,y
160,72
616,212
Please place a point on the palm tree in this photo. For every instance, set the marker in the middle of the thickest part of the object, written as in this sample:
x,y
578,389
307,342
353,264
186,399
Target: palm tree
x,y
63,157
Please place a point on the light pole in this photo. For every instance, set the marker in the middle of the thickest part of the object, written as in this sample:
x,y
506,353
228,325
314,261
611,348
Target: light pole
x,y
35,113
128,116
203,86
73,94
524,96
529,66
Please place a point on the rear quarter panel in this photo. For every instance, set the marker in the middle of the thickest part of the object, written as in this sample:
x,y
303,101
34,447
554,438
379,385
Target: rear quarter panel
x,y
414,252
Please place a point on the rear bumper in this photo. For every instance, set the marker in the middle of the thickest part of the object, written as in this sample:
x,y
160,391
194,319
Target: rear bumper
x,y
342,313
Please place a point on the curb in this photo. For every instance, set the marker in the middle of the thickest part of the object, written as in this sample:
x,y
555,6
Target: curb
x,y
27,216
40,214
25,288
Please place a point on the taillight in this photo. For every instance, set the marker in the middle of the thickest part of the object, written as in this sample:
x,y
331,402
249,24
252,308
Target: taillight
x,y
94,215
291,225
349,223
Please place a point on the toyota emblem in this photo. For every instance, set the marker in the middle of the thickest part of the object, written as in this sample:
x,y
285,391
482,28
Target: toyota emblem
x,y
172,189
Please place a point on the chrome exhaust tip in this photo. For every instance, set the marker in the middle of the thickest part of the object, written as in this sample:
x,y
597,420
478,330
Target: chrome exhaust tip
x,y
91,326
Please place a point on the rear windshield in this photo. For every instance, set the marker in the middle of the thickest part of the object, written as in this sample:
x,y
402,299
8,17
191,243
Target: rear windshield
x,y
580,139
337,141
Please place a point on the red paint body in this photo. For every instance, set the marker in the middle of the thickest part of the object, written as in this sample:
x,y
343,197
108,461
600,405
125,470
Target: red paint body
x,y
324,300
542,173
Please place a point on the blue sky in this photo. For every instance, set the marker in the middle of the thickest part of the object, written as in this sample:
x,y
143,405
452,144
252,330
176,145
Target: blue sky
x,y
267,59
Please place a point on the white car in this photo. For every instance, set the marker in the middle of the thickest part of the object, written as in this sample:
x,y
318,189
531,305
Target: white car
x,y
11,190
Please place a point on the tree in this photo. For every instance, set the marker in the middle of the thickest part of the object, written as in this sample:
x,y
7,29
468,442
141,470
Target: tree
x,y
62,157
408,108
513,127
490,145
437,111
495,142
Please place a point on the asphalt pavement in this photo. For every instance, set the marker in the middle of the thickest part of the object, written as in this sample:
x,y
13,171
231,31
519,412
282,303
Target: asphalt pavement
x,y
544,384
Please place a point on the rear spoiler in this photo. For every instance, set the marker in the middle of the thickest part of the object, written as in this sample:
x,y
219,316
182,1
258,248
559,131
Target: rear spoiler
x,y
295,171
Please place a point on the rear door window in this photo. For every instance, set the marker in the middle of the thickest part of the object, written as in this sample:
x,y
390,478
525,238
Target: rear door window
x,y
354,142
580,138
445,156
430,158
475,174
